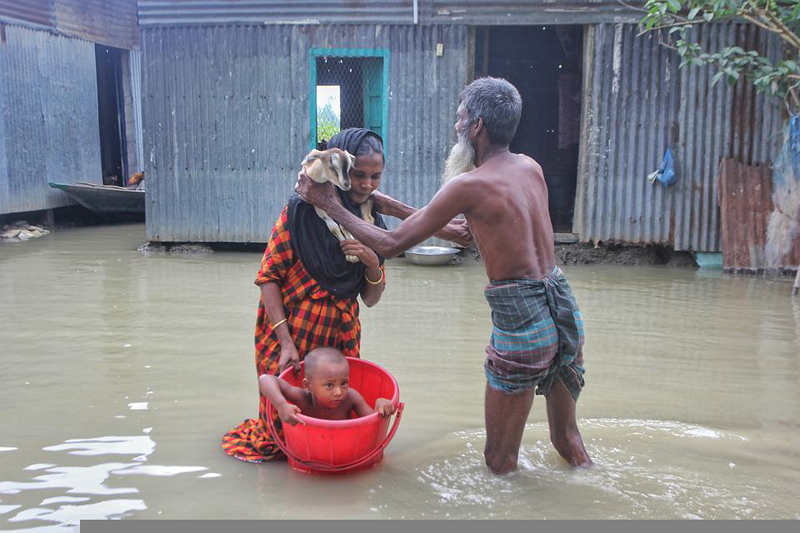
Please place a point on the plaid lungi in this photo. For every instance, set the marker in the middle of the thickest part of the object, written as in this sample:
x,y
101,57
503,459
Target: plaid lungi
x,y
537,335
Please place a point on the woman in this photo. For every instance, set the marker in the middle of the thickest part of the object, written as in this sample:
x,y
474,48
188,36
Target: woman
x,y
309,290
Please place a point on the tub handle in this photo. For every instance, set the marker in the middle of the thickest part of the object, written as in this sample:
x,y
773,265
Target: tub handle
x,y
327,467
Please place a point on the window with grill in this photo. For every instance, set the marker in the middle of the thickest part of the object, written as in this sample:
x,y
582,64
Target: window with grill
x,y
348,90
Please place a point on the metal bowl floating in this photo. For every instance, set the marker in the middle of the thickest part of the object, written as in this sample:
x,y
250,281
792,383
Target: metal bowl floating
x,y
431,255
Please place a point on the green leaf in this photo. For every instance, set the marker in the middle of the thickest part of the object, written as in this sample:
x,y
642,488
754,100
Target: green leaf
x,y
693,13
716,78
674,5
708,16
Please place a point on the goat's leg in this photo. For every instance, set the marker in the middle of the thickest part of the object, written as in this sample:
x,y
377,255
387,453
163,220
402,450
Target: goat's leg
x,y
366,212
338,232
332,225
349,236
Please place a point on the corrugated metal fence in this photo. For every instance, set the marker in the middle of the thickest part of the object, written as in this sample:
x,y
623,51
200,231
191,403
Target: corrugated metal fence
x,y
639,104
226,119
48,131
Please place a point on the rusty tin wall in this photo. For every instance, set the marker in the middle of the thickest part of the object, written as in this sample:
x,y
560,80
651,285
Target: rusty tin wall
x,y
745,198
639,104
478,12
226,119
108,22
33,12
48,118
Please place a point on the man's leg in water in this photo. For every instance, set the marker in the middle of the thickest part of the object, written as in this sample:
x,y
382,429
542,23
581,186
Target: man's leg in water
x,y
564,432
506,415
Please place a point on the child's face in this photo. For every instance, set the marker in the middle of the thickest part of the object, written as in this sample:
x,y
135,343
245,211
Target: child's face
x,y
329,385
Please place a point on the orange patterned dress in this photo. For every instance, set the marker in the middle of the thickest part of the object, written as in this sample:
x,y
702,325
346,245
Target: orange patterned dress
x,y
315,318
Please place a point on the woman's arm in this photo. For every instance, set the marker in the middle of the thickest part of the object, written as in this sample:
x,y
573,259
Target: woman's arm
x,y
374,284
457,230
275,264
273,305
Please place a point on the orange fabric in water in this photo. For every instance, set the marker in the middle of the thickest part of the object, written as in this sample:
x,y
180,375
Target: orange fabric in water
x,y
315,318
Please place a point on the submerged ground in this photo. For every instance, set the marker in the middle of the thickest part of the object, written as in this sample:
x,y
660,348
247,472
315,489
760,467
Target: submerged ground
x,y
122,370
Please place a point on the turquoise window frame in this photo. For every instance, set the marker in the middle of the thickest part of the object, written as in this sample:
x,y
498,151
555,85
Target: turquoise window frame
x,y
382,53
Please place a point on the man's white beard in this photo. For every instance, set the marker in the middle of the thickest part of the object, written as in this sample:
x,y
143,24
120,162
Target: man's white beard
x,y
460,160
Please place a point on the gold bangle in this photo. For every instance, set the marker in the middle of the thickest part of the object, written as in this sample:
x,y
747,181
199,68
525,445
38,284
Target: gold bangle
x,y
380,279
276,324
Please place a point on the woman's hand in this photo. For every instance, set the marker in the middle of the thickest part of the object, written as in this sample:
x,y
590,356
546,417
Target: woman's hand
x,y
317,194
289,356
363,252
385,408
288,414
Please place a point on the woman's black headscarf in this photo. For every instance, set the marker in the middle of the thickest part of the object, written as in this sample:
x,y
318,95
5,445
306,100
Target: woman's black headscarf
x,y
313,242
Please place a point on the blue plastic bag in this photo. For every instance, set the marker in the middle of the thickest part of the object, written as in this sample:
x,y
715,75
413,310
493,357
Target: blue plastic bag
x,y
666,173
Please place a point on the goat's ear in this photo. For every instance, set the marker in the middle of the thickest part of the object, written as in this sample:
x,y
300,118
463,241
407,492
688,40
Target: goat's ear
x,y
351,159
312,156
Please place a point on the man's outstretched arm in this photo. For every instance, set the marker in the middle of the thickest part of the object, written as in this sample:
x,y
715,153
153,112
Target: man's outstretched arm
x,y
457,230
450,201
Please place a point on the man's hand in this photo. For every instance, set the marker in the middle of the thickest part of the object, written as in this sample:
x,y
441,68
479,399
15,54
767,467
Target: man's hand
x,y
458,232
289,356
317,194
288,414
363,252
385,408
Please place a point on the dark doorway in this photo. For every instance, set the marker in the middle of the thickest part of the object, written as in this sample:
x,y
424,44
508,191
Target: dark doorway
x,y
545,64
111,111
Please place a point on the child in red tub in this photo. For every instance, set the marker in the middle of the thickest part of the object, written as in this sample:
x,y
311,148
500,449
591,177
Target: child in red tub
x,y
325,393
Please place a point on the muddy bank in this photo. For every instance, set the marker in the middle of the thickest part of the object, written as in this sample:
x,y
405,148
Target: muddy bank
x,y
607,254
615,254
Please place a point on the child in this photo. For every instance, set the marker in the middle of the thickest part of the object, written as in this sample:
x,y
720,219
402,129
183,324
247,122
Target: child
x,y
325,393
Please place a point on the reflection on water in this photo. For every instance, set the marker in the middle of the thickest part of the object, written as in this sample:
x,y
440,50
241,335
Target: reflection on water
x,y
90,480
124,370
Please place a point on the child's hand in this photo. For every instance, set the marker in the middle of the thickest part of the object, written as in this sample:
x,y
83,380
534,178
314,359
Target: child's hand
x,y
288,414
385,408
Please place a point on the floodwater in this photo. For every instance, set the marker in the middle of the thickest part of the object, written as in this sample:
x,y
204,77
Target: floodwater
x,y
121,371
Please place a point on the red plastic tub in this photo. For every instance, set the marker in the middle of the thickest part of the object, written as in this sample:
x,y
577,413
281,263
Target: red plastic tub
x,y
341,446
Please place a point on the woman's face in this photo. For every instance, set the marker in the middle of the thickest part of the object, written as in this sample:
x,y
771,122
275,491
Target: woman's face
x,y
365,177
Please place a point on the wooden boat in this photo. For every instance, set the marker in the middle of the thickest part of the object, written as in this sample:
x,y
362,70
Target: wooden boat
x,y
105,199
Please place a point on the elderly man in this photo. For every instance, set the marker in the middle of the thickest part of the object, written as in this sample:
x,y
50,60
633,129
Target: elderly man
x,y
537,336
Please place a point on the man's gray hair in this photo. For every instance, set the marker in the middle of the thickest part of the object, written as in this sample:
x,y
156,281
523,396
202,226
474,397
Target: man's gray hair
x,y
498,103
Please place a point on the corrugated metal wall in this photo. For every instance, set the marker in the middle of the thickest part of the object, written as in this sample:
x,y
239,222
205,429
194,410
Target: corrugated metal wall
x,y
226,119
647,104
135,132
258,12
108,22
48,118
37,12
